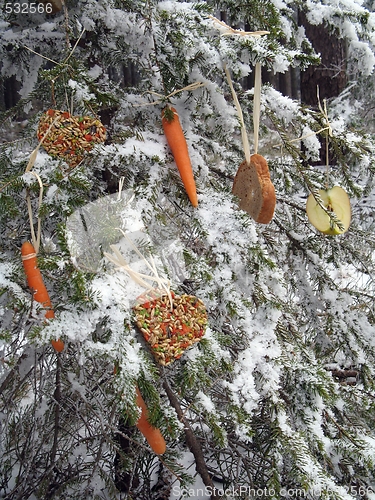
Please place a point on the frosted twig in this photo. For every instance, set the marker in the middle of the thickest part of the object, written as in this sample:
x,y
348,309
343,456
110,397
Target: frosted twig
x,y
66,20
57,402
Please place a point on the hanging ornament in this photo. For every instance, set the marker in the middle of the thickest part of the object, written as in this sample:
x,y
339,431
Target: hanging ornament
x,y
176,139
152,434
69,137
168,327
29,253
178,145
329,210
253,186
252,183
168,322
335,217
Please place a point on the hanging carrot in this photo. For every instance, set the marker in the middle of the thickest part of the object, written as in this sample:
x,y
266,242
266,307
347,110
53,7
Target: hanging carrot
x,y
34,278
58,345
36,283
152,434
177,142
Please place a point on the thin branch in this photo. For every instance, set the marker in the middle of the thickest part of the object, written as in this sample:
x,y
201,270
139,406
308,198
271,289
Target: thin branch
x,y
342,431
192,441
57,398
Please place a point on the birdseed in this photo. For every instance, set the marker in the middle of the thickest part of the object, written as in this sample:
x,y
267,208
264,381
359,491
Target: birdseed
x,y
71,136
170,331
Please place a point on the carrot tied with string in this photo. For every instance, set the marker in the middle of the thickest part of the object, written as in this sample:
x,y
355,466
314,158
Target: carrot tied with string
x,y
177,142
35,281
152,434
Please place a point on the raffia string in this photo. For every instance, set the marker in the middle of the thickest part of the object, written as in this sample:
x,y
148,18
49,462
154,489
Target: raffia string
x,y
256,104
232,31
28,256
120,187
245,140
257,88
140,278
324,112
55,62
162,97
306,136
36,237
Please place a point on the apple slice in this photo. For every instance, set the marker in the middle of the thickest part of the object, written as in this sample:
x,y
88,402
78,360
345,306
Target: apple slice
x,y
335,200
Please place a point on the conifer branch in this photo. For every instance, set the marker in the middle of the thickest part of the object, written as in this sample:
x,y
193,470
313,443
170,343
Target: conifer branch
x,y
291,312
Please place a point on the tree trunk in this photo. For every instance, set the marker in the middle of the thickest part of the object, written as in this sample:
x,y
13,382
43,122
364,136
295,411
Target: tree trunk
x,y
330,75
10,92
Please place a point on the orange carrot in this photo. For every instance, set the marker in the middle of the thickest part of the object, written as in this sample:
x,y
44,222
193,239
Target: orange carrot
x,y
34,278
177,142
58,345
152,434
36,283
